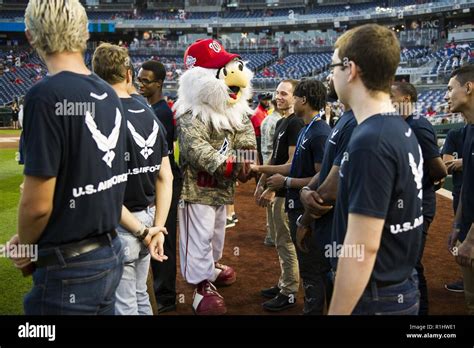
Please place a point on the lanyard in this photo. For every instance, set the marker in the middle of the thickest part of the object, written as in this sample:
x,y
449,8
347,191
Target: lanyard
x,y
301,138
303,134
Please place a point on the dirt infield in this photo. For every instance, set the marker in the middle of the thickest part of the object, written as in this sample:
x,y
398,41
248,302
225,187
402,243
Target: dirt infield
x,y
9,141
257,265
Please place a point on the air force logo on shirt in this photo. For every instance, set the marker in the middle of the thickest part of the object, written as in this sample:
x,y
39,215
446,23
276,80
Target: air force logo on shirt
x,y
334,133
417,171
147,144
345,158
303,142
105,144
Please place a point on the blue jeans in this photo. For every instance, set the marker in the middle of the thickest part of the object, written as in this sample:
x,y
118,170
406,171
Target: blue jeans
x,y
132,296
80,285
397,299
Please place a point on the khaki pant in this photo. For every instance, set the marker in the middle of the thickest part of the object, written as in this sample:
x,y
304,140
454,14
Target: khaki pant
x,y
289,278
270,223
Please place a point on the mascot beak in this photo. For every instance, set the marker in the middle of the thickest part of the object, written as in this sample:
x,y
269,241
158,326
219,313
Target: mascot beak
x,y
235,79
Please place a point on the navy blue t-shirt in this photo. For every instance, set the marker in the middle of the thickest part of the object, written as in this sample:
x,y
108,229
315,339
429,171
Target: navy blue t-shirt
x,y
381,176
309,151
467,196
146,145
141,99
453,146
75,130
165,115
336,145
426,136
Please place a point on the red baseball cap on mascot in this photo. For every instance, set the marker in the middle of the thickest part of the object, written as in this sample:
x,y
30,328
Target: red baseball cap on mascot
x,y
207,53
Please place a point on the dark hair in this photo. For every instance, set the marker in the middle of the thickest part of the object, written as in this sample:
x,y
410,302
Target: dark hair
x,y
314,91
375,50
157,68
464,74
408,89
265,96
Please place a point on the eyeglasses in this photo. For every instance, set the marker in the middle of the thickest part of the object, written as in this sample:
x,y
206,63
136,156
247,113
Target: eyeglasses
x,y
332,66
145,82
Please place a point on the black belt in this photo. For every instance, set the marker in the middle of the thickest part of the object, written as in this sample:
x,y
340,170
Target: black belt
x,y
381,284
75,249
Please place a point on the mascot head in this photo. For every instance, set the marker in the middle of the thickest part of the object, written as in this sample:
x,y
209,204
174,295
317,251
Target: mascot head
x,y
215,87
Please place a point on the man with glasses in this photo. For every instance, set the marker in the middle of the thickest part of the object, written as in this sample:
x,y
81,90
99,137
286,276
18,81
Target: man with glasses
x,y
150,83
378,217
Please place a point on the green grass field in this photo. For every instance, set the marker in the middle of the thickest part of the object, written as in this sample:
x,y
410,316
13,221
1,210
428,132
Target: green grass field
x,y
13,285
10,132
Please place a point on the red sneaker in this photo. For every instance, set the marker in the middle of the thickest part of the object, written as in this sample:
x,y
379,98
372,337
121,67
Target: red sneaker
x,y
207,301
226,277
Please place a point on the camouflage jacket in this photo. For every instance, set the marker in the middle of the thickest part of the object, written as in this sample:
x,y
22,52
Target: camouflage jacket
x,y
203,154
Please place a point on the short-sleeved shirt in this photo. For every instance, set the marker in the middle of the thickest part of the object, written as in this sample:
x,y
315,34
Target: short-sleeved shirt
x,y
428,141
146,146
286,135
140,99
309,151
75,130
336,145
453,146
467,195
381,176
165,115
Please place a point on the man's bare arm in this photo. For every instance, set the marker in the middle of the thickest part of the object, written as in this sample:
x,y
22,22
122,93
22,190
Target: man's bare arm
x,y
353,273
36,206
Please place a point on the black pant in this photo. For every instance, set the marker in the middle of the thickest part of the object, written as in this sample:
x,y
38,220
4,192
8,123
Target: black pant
x,y
456,197
421,270
259,149
164,273
314,269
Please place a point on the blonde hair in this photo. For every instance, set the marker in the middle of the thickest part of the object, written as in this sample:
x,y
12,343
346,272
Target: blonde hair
x,y
111,63
57,26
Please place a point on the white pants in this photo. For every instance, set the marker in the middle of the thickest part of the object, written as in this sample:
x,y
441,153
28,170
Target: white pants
x,y
201,240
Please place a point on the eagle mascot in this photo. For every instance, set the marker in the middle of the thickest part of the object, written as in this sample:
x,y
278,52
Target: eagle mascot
x,y
216,141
